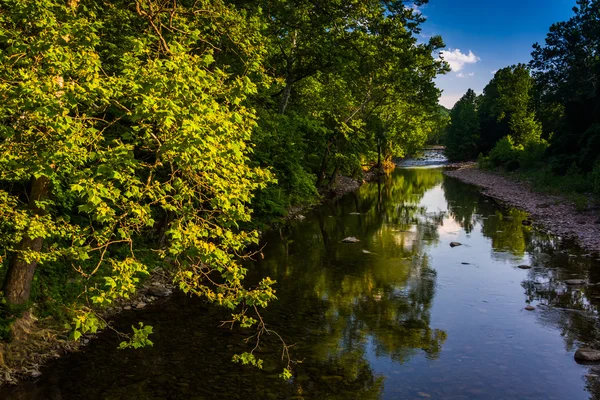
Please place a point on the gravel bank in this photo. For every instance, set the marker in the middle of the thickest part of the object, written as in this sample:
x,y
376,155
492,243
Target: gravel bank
x,y
555,213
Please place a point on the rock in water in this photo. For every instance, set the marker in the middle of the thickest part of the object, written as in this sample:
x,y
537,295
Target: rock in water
x,y
524,267
366,251
350,239
140,305
530,308
587,354
454,244
575,282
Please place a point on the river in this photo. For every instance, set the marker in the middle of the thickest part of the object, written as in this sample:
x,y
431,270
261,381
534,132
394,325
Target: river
x,y
399,315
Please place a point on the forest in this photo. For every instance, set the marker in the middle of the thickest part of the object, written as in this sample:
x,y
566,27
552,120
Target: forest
x,y
540,120
155,133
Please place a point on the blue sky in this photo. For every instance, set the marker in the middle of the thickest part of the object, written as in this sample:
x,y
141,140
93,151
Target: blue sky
x,y
483,36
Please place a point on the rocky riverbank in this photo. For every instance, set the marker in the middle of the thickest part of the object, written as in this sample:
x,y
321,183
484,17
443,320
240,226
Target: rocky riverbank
x,y
554,213
35,342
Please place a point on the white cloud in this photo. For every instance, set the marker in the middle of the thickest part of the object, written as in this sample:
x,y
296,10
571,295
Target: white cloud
x,y
448,100
462,75
457,60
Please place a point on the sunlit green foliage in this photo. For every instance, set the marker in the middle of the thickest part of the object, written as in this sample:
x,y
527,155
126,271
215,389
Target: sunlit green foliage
x,y
141,140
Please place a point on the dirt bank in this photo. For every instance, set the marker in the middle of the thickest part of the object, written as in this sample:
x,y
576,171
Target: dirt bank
x,y
555,213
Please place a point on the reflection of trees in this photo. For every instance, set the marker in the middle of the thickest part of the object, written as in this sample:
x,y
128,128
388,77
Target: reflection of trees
x,y
463,202
503,226
507,231
335,300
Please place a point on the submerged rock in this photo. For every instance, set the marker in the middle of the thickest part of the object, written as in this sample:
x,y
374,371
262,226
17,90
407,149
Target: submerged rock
x,y
454,244
524,267
350,239
587,354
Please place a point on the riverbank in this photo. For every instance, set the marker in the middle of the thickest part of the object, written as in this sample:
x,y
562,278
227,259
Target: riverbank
x,y
36,342
555,213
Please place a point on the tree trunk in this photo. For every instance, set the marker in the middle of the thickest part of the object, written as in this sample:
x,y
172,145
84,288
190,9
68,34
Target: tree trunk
x,y
17,285
378,154
323,168
289,77
333,175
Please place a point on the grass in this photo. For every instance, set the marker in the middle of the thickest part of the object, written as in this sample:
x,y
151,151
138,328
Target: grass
x,y
576,186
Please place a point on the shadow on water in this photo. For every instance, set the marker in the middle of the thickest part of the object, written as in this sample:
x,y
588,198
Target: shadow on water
x,y
398,315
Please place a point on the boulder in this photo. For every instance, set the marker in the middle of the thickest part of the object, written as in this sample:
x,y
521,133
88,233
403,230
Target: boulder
x,y
530,308
587,354
524,267
454,244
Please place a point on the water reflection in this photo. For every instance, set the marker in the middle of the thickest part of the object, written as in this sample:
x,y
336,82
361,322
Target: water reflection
x,y
398,315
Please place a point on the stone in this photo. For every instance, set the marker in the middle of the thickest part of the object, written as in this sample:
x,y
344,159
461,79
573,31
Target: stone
x,y
159,291
575,281
530,308
587,354
35,374
127,308
366,251
140,305
300,217
350,239
454,244
524,267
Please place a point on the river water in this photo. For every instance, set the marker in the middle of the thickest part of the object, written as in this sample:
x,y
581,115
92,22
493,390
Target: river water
x,y
399,315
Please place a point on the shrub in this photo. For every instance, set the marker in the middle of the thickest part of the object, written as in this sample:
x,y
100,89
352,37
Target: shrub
x,y
533,154
505,151
512,165
595,177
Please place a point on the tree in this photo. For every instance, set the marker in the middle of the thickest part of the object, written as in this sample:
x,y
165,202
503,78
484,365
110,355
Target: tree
x,y
462,136
567,71
507,108
108,148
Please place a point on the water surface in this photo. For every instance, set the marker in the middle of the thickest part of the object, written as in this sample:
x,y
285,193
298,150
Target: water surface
x,y
399,315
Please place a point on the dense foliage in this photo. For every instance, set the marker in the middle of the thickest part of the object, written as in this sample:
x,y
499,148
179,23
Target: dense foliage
x,y
146,133
545,116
